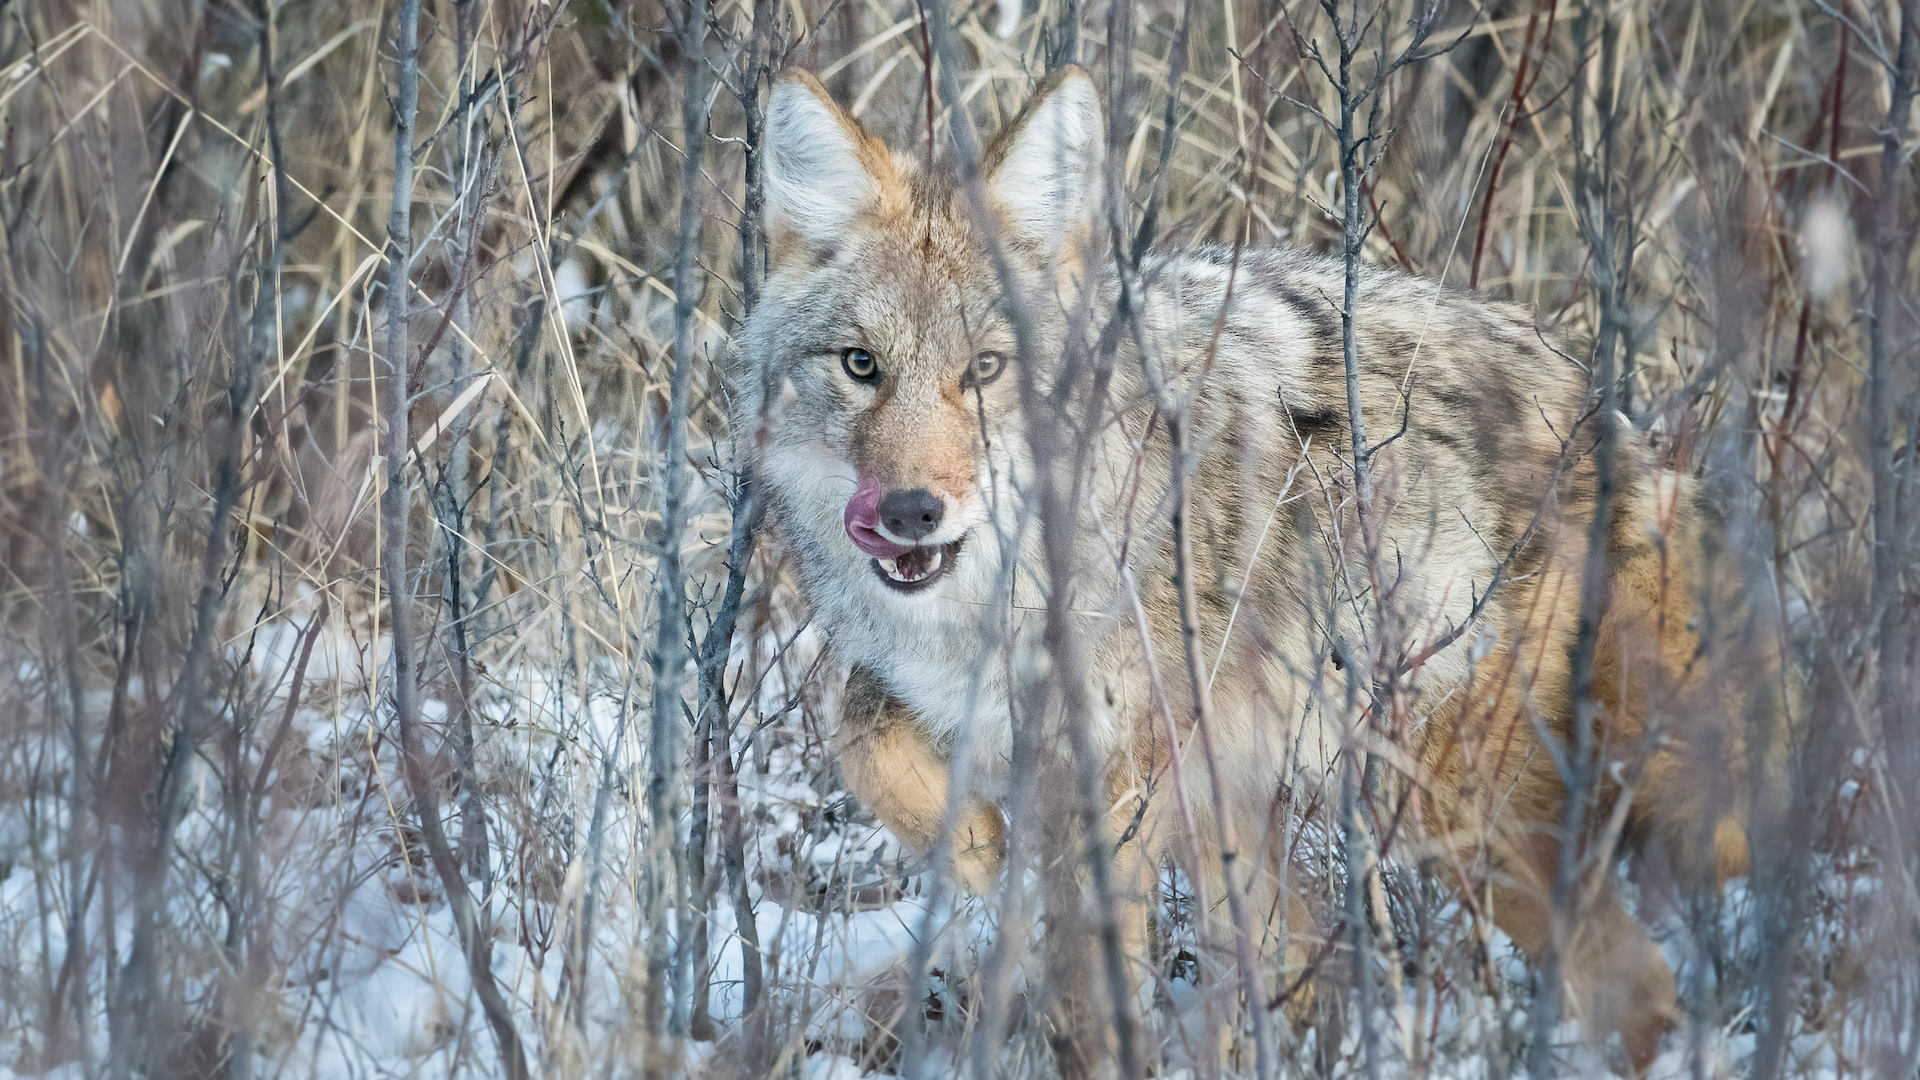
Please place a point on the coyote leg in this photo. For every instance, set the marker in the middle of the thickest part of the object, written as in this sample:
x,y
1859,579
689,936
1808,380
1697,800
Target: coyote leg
x,y
891,765
1616,977
1284,962
1083,1012
1290,958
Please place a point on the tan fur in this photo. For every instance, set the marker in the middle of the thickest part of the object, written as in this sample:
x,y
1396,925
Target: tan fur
x,y
902,776
1497,456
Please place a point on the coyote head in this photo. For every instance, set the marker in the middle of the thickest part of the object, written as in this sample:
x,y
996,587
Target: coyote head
x,y
879,382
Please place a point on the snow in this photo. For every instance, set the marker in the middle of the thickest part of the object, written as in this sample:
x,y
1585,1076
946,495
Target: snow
x,y
372,980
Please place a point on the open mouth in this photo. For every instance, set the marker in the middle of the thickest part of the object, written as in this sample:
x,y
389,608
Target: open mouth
x,y
918,568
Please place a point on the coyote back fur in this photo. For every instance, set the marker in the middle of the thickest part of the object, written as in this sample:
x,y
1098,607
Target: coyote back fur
x,y
894,439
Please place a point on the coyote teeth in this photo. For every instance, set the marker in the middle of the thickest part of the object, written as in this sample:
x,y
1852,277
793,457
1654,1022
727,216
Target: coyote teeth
x,y
919,566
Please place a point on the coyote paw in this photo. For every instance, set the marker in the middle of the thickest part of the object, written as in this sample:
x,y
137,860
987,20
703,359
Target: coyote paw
x,y
979,849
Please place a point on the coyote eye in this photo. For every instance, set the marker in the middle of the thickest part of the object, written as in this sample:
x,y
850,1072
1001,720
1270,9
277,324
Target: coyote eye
x,y
984,368
860,365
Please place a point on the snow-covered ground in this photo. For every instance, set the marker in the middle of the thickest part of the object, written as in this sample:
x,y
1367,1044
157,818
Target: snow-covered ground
x,y
366,976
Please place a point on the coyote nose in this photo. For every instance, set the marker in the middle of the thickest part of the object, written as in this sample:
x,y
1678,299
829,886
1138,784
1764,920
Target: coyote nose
x,y
911,515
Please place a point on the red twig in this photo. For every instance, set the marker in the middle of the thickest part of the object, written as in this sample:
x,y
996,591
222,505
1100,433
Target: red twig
x,y
926,45
1516,105
1381,220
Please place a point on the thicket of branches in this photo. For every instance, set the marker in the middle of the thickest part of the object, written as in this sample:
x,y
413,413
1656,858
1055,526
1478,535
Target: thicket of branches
x,y
397,682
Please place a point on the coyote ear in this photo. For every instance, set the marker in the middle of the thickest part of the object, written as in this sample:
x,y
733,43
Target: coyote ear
x,y
1045,165
822,170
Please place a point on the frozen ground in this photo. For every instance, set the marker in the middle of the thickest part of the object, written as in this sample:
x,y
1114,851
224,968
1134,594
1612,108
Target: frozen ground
x,y
371,981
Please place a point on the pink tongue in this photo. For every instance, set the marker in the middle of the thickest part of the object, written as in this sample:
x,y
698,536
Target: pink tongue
x,y
863,522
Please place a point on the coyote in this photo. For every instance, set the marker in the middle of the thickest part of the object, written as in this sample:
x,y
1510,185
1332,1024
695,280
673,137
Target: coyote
x,y
895,440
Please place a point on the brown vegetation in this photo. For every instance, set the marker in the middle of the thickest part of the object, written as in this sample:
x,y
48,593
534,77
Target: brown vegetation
x,y
258,819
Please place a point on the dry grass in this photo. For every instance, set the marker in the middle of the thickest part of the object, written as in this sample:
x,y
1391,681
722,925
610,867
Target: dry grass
x,y
186,334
